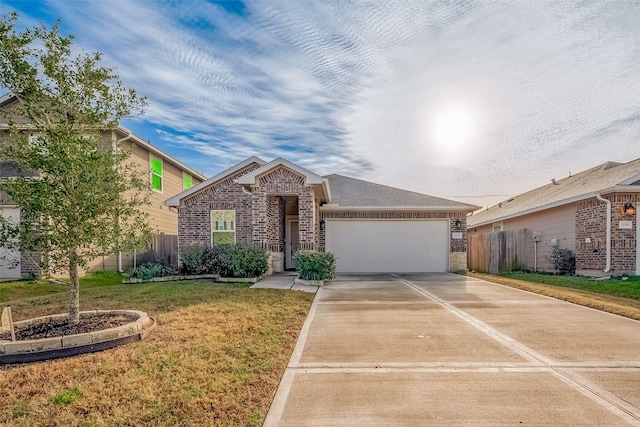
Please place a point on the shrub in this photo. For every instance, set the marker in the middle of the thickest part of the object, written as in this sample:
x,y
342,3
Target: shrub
x,y
149,270
191,260
314,265
563,261
239,260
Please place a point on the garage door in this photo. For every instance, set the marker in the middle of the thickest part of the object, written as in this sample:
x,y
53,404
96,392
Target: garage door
x,y
388,246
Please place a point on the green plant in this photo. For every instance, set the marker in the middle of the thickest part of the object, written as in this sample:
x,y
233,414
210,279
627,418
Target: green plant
x,y
239,260
314,265
563,261
88,199
149,270
191,258
67,396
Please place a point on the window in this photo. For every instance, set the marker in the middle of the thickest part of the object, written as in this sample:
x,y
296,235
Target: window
x,y
223,227
187,181
156,174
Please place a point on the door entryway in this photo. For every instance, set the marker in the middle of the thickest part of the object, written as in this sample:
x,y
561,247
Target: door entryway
x,y
293,242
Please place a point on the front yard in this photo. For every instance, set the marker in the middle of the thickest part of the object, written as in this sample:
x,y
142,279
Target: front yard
x,y
615,296
215,359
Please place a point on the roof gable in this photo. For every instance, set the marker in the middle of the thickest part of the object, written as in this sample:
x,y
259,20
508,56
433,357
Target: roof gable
x,y
607,177
175,200
252,178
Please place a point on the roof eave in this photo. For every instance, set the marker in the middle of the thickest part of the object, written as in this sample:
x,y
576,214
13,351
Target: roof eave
x,y
175,200
150,147
615,189
337,208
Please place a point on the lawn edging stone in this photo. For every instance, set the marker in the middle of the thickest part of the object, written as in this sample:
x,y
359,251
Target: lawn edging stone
x,y
214,277
24,351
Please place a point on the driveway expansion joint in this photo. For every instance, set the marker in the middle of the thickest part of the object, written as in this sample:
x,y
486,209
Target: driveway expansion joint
x,y
587,388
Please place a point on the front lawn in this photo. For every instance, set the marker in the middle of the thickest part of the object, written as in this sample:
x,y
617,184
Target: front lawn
x,y
613,295
629,288
215,359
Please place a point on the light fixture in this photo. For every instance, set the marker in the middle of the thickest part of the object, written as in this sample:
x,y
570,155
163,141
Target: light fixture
x,y
322,224
629,209
458,223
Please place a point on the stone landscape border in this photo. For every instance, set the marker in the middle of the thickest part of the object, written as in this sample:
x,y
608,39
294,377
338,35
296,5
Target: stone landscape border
x,y
214,277
25,351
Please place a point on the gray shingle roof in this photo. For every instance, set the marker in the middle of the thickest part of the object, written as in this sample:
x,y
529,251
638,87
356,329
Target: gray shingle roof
x,y
584,184
354,193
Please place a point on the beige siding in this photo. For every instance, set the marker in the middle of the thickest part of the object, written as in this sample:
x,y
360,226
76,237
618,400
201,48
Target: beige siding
x,y
161,217
557,223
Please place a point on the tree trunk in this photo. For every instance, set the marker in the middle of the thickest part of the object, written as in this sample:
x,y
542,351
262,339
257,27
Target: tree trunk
x,y
74,288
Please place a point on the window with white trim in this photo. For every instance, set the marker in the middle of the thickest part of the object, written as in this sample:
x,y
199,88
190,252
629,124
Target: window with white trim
x,y
223,227
156,166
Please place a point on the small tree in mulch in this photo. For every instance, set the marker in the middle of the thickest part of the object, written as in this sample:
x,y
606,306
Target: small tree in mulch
x,y
84,201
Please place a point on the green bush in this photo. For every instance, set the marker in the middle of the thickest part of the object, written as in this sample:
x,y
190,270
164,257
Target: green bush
x,y
235,260
239,261
149,270
314,265
191,260
563,261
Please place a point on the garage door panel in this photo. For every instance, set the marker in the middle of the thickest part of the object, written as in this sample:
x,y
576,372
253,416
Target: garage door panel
x,y
366,246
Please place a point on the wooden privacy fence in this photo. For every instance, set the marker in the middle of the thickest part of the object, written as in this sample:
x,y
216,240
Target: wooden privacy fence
x,y
497,251
164,247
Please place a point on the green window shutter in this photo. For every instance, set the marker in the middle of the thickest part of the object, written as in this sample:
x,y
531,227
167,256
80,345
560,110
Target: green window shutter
x,y
187,182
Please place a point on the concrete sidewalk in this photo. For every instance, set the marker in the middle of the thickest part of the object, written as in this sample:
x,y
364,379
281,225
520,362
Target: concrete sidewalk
x,y
444,349
284,280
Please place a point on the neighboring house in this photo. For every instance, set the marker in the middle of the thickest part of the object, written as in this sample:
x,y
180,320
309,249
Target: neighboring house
x,y
167,177
592,213
284,207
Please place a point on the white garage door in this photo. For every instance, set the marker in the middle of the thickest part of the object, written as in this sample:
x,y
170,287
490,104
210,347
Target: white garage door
x,y
9,259
370,246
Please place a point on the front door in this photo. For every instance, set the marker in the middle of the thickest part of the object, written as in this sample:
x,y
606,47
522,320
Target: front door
x,y
293,242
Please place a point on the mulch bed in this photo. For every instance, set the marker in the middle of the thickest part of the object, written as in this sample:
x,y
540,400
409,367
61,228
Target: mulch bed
x,y
57,328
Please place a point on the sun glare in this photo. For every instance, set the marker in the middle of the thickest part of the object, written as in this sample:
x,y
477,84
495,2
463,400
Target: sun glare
x,y
452,128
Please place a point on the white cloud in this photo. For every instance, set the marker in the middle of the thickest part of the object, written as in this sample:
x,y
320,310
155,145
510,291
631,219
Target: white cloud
x,y
351,87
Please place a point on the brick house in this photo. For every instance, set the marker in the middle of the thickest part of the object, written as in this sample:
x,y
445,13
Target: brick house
x,y
284,207
592,213
167,176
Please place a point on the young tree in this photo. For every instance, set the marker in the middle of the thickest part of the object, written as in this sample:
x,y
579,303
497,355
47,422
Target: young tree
x,y
84,200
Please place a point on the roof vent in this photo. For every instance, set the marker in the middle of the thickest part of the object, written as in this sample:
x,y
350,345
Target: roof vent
x,y
553,181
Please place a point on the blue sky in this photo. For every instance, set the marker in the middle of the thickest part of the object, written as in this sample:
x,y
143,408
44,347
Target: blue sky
x,y
521,91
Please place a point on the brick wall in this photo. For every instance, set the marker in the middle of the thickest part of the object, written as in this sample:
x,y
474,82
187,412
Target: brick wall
x,y
194,218
282,182
591,217
260,216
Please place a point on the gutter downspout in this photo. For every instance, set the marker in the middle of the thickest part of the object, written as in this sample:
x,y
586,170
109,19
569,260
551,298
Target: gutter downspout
x,y
608,202
116,144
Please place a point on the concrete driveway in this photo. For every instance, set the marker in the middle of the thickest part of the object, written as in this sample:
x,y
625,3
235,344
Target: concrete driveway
x,y
444,349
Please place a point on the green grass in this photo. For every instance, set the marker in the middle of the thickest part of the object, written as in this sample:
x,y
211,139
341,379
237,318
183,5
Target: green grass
x,y
66,397
37,288
215,358
615,286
